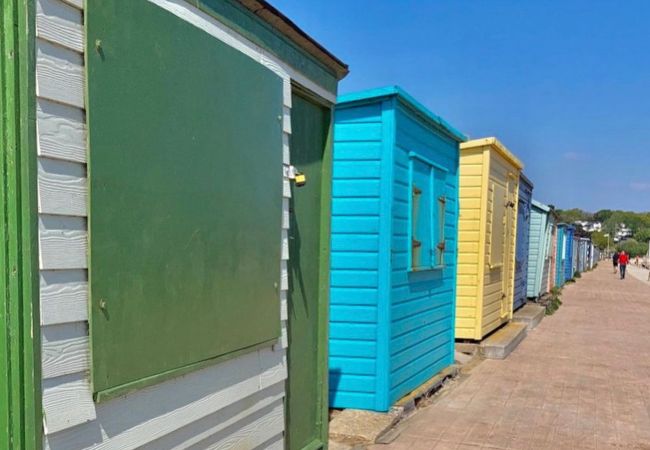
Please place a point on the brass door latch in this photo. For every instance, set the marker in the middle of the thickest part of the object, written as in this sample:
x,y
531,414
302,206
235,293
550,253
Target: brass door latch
x,y
299,178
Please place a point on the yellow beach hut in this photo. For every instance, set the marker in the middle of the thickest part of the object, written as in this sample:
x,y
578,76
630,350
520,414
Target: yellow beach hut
x,y
489,185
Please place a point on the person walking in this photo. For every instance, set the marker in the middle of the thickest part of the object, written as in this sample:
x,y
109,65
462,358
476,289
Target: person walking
x,y
615,261
623,259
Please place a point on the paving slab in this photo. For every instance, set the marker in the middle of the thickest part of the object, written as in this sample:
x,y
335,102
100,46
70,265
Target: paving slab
x,y
580,381
531,315
503,341
358,427
355,426
638,272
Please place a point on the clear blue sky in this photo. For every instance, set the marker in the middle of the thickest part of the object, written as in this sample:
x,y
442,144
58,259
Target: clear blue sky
x,y
565,84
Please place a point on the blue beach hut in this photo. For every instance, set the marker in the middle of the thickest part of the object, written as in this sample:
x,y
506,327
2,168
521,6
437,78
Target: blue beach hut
x,y
561,256
523,236
539,246
570,262
394,241
583,253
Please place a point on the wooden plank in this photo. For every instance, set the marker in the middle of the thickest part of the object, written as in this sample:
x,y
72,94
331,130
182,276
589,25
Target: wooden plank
x,y
59,74
284,313
65,349
286,88
286,156
467,268
286,188
63,242
273,366
471,169
467,301
285,245
67,402
273,65
62,188
471,180
151,413
285,213
60,23
251,432
76,3
284,337
275,443
220,420
284,278
61,131
64,296
286,120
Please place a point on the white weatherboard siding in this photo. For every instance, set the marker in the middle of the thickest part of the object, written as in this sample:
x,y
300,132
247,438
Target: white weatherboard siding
x,y
238,403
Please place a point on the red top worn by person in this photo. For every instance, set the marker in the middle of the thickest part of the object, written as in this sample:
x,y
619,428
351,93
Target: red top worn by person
x,y
623,259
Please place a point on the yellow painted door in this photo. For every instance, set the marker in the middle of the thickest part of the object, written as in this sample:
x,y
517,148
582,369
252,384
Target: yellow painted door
x,y
499,240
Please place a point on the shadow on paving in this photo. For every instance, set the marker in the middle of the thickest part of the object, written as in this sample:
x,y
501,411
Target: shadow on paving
x,y
581,380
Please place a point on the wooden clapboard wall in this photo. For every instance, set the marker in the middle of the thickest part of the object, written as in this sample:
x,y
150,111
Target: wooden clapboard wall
x,y
239,402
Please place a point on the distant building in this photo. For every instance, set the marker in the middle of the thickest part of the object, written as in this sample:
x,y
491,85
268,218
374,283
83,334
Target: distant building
x,y
622,233
588,226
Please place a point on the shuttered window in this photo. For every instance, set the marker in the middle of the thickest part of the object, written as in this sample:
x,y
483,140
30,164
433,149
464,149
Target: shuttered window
x,y
185,215
427,214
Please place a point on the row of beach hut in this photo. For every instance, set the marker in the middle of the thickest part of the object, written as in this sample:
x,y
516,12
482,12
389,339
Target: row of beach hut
x,y
435,238
200,237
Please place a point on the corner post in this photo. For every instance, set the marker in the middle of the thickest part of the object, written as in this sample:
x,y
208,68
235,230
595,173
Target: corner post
x,y
20,384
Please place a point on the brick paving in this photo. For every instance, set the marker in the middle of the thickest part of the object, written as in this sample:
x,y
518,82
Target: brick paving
x,y
581,380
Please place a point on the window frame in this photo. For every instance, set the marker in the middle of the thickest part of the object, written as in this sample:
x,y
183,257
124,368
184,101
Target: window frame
x,y
437,211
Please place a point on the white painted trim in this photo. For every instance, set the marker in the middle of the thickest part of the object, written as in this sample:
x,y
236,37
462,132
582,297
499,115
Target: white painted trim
x,y
63,242
253,431
60,23
65,349
64,296
62,187
59,74
67,402
214,423
76,3
61,131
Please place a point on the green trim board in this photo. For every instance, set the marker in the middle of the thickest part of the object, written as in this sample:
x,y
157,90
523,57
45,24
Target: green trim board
x,y
20,383
185,170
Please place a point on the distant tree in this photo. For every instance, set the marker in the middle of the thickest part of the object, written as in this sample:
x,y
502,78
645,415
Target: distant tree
x,y
573,215
642,235
600,240
634,221
633,247
611,220
602,215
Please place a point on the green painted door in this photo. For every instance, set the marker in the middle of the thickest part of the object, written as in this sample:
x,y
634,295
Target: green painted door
x,y
308,276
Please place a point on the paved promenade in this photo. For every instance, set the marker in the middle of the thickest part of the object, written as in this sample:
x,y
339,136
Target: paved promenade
x,y
639,273
581,380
